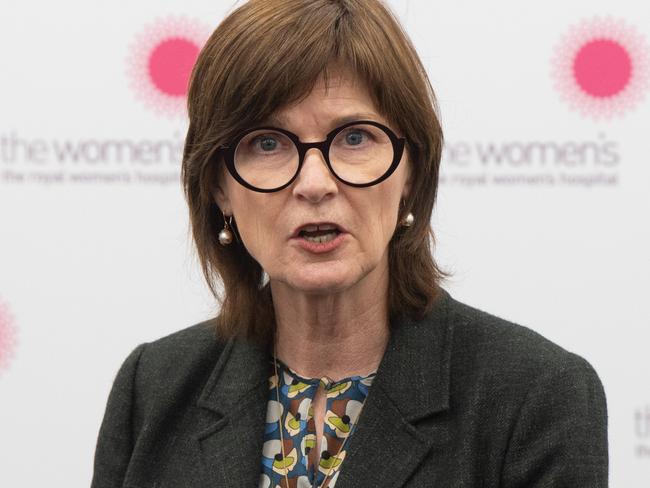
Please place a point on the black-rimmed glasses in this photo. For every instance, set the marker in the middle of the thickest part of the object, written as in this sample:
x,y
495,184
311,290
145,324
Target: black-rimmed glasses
x,y
360,153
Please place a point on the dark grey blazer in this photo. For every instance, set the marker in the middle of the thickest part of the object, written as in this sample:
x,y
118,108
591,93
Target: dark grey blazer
x,y
461,399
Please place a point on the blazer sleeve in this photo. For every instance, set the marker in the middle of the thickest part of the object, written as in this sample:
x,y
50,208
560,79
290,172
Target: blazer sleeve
x,y
560,437
116,434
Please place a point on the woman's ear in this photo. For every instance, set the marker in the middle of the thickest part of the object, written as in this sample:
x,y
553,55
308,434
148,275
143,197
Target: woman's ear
x,y
408,179
220,190
220,195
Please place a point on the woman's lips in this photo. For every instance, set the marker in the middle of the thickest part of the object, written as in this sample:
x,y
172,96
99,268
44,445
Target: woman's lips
x,y
312,226
320,247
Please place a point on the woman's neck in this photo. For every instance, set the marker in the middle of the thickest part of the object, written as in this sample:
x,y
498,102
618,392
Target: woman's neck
x,y
333,335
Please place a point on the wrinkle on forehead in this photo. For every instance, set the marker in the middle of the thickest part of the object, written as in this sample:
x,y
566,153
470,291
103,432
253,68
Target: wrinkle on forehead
x,y
337,75
347,105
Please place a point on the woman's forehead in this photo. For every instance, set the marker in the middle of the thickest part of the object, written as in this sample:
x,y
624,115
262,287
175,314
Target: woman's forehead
x,y
339,98
279,120
338,78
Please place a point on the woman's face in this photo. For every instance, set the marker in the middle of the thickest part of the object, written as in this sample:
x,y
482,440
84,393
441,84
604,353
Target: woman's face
x,y
267,222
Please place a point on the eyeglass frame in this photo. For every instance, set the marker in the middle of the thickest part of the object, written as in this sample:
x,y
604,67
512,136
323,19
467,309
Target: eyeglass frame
x,y
398,143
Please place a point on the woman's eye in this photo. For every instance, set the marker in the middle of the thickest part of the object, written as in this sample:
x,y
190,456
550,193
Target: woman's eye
x,y
354,138
266,143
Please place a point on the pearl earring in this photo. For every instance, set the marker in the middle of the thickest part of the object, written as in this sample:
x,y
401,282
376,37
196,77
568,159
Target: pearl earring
x,y
225,235
408,220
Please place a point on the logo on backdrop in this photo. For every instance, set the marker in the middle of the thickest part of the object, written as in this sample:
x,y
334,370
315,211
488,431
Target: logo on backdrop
x,y
642,431
160,62
7,336
601,67
159,65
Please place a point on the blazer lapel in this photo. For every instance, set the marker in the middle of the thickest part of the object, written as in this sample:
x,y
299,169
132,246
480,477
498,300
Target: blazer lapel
x,y
412,384
234,401
389,442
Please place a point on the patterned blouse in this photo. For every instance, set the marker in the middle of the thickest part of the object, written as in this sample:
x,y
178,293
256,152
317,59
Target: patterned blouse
x,y
304,468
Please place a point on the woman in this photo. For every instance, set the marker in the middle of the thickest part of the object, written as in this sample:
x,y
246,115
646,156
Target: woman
x,y
310,169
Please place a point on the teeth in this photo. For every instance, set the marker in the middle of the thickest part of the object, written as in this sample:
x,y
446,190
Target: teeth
x,y
321,239
314,228
327,227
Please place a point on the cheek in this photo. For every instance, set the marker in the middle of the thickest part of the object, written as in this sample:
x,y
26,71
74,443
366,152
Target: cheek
x,y
379,217
389,219
256,217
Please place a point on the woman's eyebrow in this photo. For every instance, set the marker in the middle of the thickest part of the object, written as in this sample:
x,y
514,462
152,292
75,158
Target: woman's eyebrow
x,y
278,120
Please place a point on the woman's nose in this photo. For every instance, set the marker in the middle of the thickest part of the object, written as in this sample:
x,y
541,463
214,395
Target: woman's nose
x,y
315,181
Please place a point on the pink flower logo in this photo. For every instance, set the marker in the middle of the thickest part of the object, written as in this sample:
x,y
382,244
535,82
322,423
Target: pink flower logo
x,y
601,67
7,336
161,60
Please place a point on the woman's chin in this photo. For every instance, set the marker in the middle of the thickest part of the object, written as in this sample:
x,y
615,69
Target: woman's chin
x,y
321,278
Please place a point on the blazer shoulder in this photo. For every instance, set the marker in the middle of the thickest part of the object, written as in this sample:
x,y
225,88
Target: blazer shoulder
x,y
486,340
178,363
196,337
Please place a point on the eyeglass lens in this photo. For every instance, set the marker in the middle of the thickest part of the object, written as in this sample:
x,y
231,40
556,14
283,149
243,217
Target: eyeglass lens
x,y
268,159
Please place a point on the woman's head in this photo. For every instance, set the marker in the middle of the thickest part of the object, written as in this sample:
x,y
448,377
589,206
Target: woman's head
x,y
269,223
305,65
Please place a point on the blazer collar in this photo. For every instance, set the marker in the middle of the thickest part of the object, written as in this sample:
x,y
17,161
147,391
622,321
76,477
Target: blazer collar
x,y
398,427
241,370
232,417
414,371
412,383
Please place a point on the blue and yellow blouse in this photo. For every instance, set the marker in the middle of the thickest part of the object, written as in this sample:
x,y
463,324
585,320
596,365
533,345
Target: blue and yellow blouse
x,y
304,467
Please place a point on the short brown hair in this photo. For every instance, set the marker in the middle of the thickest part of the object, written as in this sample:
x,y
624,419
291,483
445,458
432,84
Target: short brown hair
x,y
266,55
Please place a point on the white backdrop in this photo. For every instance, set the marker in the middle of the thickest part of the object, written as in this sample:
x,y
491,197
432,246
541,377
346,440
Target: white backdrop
x,y
542,212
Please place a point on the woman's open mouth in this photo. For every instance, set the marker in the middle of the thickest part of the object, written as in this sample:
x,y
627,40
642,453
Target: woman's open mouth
x,y
320,234
320,238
